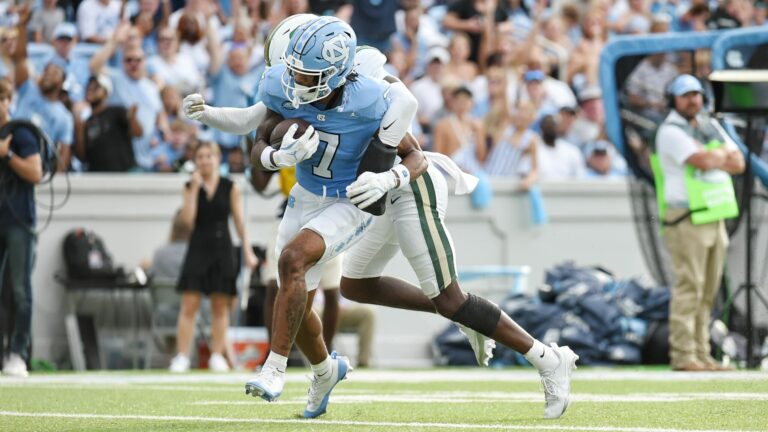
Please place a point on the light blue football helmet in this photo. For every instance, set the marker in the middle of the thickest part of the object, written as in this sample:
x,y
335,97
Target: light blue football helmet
x,y
323,48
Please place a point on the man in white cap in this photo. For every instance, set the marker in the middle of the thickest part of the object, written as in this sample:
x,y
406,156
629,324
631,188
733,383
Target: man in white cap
x,y
427,89
103,141
693,165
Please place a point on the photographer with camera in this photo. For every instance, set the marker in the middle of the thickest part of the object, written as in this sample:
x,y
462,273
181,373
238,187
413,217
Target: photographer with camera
x,y
20,170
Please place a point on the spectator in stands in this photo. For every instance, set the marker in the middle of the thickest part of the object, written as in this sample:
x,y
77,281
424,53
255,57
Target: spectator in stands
x,y
583,64
228,82
21,169
459,135
727,16
39,102
478,19
558,160
210,265
374,22
98,19
341,9
132,87
167,155
590,119
287,8
635,20
761,13
167,67
514,155
647,83
554,31
694,19
198,39
427,89
45,20
603,161
149,19
8,42
104,140
697,241
459,64
413,43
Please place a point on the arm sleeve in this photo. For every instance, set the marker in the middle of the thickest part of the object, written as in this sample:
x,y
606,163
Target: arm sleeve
x,y
676,144
238,121
399,116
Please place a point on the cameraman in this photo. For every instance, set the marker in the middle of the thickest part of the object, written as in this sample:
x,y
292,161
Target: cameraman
x,y
696,162
20,170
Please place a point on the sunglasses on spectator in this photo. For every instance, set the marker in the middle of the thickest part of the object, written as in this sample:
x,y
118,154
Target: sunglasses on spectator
x,y
133,59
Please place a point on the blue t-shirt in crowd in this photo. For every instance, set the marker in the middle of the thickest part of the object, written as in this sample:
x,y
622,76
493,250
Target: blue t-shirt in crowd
x,y
18,203
50,116
231,90
144,94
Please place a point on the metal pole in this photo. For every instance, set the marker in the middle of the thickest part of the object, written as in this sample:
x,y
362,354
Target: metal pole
x,y
749,184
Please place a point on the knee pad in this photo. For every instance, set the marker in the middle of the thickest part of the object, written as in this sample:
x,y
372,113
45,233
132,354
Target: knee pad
x,y
478,314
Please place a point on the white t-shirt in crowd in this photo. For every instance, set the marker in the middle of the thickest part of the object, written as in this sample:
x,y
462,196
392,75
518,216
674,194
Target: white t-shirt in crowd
x,y
674,147
96,19
429,95
562,162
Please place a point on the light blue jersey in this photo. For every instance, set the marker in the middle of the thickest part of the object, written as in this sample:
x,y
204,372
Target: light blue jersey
x,y
345,130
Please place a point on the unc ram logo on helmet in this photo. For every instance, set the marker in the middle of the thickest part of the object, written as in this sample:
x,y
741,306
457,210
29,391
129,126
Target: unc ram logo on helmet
x,y
323,48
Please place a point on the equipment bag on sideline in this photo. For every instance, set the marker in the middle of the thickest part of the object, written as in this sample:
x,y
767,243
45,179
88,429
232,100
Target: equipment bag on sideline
x,y
86,256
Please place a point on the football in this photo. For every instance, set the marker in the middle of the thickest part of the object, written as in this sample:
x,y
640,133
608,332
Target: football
x,y
276,137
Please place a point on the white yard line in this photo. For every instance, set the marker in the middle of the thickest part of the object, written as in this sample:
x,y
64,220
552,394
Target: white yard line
x,y
503,397
387,376
316,423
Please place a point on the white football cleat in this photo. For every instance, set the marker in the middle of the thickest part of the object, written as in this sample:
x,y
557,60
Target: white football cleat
x,y
482,346
557,382
320,389
267,385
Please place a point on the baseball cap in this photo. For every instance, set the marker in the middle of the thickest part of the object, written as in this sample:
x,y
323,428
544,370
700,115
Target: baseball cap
x,y
104,81
64,30
598,146
589,93
685,84
534,75
438,53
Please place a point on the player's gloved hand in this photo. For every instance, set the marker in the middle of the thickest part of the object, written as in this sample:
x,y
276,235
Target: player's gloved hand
x,y
370,187
295,150
193,106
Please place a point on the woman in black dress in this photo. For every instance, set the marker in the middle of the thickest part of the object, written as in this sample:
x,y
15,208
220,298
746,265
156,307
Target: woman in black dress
x,y
210,266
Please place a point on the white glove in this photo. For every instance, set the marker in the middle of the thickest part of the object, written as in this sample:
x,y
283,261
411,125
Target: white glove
x,y
193,106
370,187
295,150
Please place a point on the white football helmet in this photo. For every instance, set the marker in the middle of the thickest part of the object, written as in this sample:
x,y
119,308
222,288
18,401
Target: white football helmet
x,y
280,36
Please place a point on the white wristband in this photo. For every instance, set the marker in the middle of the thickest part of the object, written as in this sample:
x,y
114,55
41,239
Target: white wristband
x,y
266,159
402,176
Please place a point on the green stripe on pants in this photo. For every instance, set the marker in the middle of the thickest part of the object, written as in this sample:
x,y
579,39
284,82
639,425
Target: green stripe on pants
x,y
439,250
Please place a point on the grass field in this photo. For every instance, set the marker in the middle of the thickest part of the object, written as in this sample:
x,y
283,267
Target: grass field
x,y
387,400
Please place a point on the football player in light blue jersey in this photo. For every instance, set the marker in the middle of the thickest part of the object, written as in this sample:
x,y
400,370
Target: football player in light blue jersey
x,y
401,228
345,112
344,127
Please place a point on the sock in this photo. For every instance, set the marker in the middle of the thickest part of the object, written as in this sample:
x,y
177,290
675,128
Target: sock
x,y
322,370
542,357
276,361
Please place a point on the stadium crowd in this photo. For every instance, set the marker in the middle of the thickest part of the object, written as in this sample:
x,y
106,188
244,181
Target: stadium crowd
x,y
509,87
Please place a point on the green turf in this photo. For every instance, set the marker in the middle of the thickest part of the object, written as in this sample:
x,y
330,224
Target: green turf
x,y
728,405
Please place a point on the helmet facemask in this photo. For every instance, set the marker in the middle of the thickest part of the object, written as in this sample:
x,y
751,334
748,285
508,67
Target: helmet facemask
x,y
299,94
